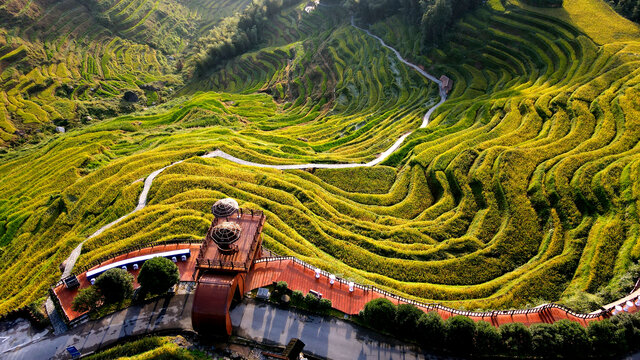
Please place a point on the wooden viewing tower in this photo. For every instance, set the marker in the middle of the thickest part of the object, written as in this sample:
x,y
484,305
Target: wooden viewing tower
x,y
232,245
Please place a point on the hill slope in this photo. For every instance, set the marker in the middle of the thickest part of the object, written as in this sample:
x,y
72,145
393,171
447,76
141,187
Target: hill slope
x,y
522,189
68,63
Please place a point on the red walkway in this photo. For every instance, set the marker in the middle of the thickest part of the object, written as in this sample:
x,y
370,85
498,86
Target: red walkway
x,y
303,278
186,268
300,276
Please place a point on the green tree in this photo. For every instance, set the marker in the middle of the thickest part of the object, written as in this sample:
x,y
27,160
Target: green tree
x,y
605,338
430,330
574,342
460,331
406,320
545,341
312,301
87,299
435,22
297,297
281,287
629,328
516,338
115,285
380,314
325,304
158,275
487,339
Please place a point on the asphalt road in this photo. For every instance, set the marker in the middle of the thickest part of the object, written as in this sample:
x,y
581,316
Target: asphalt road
x,y
323,336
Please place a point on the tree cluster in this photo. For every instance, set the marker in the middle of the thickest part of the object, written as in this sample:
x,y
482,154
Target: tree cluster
x,y
236,34
462,336
156,276
310,301
433,17
627,8
111,287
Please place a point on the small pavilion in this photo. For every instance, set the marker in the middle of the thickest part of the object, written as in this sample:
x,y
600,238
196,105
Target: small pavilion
x,y
447,84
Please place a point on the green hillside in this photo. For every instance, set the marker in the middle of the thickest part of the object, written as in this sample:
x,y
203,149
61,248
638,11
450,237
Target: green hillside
x,y
523,188
68,63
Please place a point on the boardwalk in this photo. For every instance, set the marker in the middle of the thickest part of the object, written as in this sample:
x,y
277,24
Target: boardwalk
x,y
303,278
187,273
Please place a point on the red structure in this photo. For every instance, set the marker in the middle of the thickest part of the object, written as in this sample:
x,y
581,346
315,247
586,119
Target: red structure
x,y
232,245
230,261
64,294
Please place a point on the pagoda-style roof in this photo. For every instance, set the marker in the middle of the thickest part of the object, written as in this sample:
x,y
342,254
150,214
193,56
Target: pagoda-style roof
x,y
232,243
225,234
224,208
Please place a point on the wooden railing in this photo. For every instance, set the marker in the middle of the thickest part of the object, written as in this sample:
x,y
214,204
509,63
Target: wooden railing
x,y
129,250
201,261
433,306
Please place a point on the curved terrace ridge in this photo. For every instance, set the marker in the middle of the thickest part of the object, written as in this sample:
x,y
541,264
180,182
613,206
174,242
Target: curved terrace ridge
x,y
142,200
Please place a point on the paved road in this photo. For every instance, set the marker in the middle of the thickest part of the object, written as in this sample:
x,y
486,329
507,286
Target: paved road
x,y
325,337
164,314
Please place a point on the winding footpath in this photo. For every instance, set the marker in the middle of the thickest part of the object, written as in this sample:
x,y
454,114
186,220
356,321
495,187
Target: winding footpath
x,y
70,262
142,200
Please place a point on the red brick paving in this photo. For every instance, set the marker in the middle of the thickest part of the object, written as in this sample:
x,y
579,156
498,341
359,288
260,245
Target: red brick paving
x,y
302,278
187,273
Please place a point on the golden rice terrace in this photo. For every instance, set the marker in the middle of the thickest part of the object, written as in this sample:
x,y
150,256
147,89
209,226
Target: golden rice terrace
x,y
523,188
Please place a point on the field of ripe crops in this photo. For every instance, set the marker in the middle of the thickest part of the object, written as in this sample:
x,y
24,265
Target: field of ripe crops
x,y
522,189
68,63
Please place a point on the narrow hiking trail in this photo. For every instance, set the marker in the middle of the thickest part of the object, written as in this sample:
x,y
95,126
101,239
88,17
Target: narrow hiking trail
x,y
142,200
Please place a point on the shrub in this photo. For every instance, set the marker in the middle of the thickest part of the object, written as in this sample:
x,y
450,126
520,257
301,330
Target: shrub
x,y
158,275
115,285
460,331
380,314
545,341
629,328
281,287
430,330
573,338
605,338
516,338
325,304
311,301
487,339
297,297
87,299
406,321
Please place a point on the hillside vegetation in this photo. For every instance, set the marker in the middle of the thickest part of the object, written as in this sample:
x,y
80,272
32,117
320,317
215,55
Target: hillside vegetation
x,y
68,63
522,189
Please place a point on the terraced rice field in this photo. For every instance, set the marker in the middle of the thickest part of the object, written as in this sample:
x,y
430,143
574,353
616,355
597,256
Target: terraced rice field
x,y
68,62
522,190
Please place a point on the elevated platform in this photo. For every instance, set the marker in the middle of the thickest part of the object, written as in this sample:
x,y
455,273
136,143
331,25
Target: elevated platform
x,y
247,248
186,268
232,246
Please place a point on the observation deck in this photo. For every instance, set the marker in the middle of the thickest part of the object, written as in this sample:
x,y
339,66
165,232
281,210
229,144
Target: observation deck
x,y
241,253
